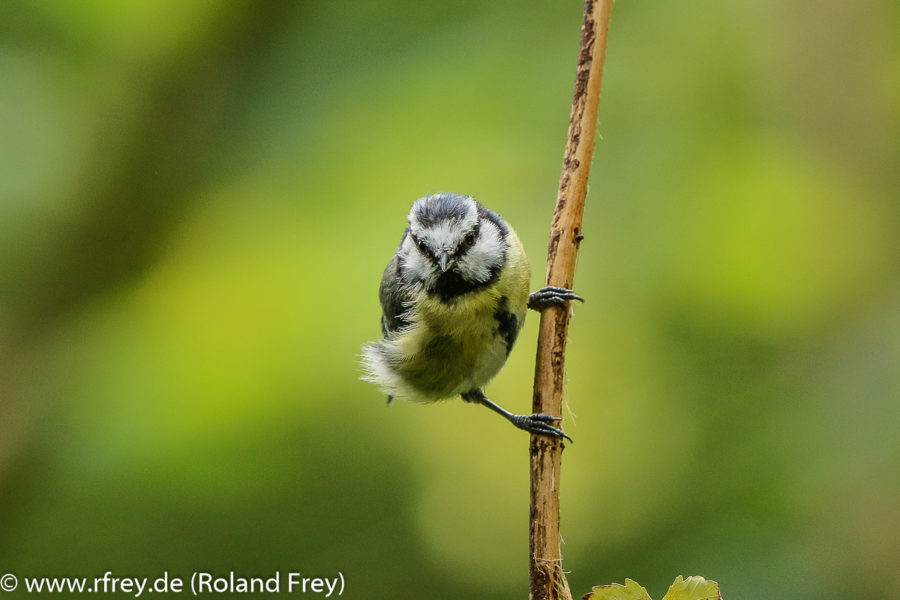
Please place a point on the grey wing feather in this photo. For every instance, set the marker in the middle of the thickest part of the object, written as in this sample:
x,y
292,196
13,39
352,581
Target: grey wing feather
x,y
394,296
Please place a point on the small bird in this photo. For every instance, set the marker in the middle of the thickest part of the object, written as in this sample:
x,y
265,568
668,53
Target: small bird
x,y
453,299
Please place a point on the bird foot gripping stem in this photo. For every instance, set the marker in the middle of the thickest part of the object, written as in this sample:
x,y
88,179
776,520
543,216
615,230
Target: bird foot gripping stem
x,y
551,295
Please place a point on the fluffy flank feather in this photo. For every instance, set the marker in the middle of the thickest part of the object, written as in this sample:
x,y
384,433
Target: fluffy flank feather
x,y
377,360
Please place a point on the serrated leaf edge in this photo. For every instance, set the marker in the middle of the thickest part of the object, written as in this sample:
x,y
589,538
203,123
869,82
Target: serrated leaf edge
x,y
693,582
628,583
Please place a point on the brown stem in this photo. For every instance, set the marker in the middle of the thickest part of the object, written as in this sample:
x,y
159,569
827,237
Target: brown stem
x,y
547,579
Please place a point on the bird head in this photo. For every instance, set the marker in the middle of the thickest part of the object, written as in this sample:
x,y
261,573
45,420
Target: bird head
x,y
451,235
444,227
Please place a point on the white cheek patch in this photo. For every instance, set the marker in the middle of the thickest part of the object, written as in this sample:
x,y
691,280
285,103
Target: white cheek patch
x,y
488,253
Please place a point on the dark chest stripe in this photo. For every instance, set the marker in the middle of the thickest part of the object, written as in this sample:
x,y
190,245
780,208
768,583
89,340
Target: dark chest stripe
x,y
507,324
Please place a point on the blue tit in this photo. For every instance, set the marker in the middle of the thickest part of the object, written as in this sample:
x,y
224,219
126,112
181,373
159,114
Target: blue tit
x,y
453,300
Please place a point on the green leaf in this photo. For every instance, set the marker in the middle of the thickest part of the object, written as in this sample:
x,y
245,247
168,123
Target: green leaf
x,y
630,591
693,588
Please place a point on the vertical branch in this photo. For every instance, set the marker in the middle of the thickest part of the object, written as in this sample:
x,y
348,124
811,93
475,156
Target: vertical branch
x,y
547,579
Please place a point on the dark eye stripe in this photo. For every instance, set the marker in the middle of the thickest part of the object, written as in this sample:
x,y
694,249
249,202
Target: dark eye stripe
x,y
422,246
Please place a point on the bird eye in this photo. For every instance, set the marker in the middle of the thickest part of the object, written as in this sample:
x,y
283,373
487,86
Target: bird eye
x,y
469,240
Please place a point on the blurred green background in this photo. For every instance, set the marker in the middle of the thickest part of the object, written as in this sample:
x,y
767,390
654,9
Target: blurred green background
x,y
197,200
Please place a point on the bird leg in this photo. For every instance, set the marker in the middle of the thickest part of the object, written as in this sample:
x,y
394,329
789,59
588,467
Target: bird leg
x,y
551,296
538,423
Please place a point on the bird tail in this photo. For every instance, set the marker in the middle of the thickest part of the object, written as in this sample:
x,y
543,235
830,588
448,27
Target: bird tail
x,y
377,363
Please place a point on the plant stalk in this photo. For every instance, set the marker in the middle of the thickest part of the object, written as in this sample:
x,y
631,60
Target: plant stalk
x,y
546,577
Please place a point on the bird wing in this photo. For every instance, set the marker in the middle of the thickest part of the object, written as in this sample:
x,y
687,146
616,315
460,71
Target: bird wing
x,y
395,299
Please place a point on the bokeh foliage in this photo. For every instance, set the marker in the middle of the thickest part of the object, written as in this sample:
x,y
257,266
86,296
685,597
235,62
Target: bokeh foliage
x,y
196,203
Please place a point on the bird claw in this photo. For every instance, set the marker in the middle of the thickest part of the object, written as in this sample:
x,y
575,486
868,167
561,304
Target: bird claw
x,y
539,424
551,295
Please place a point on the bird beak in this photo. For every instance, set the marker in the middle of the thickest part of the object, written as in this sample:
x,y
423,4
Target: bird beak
x,y
443,260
